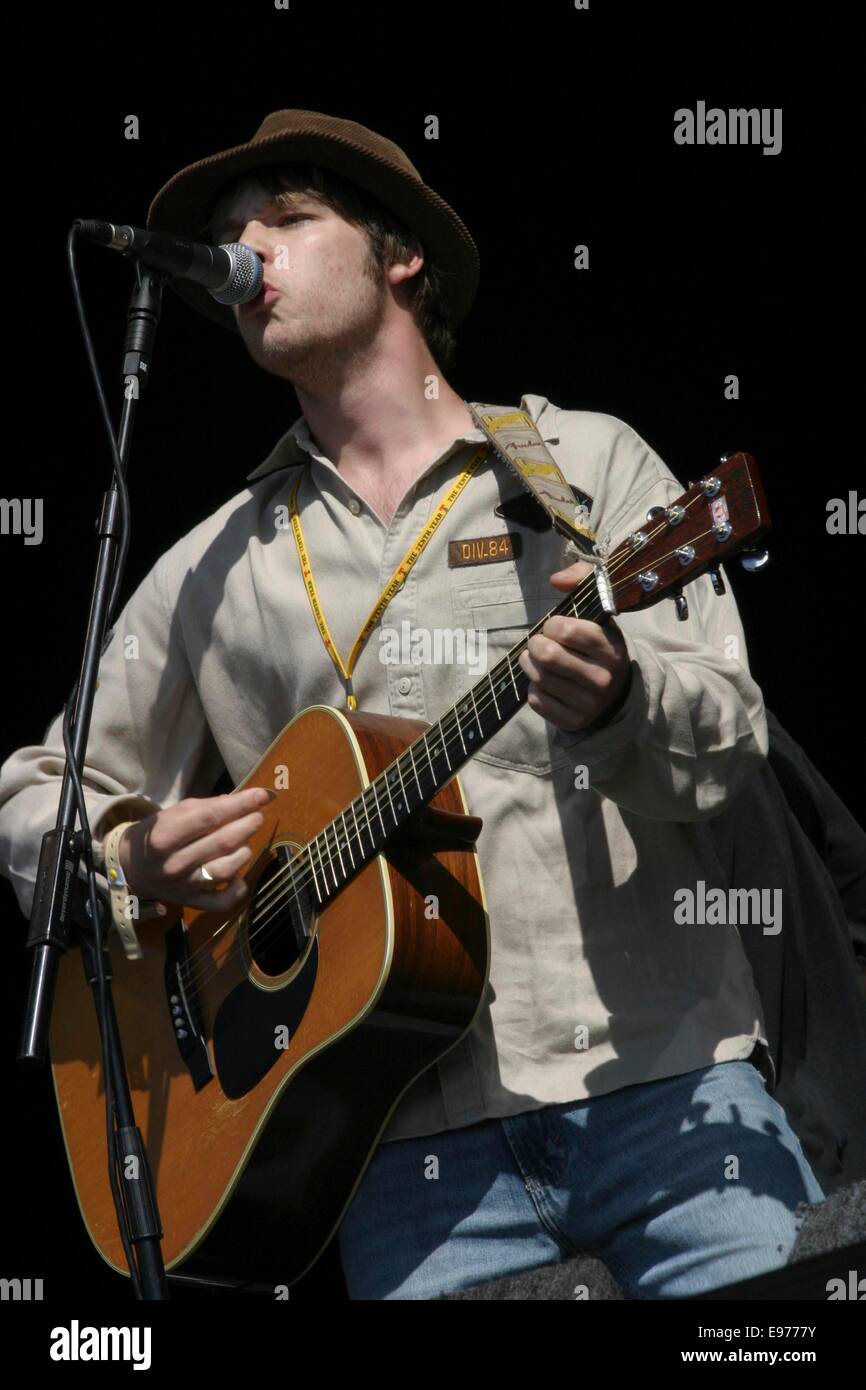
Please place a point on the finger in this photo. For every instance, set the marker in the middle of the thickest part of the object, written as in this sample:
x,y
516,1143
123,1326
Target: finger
x,y
196,817
564,716
225,867
225,841
546,658
564,688
581,635
573,574
225,901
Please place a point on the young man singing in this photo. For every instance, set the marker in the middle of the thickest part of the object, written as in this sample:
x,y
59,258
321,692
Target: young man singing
x,y
604,1100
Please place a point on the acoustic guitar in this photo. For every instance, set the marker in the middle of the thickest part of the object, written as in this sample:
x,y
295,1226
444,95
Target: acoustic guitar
x,y
268,1049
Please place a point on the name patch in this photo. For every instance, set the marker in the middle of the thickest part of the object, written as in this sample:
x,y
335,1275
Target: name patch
x,y
484,550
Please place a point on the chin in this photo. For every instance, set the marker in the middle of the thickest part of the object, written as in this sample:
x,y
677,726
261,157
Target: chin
x,y
274,351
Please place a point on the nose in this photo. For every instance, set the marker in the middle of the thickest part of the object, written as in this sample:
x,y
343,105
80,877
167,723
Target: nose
x,y
252,235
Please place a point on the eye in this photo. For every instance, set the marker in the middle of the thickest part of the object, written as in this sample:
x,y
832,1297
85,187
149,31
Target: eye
x,y
291,217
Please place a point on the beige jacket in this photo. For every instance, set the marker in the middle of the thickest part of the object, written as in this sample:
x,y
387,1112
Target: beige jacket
x,y
593,985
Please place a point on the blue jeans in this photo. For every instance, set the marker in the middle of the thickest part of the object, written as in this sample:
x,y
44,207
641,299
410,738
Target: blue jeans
x,y
679,1186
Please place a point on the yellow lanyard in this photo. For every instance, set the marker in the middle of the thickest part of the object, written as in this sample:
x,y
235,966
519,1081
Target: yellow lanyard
x,y
397,580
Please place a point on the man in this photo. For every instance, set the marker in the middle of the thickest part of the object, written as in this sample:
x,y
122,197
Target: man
x,y
604,1098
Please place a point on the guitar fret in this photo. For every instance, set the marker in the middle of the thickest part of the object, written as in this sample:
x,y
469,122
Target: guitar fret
x,y
378,808
313,867
402,783
318,848
415,770
459,729
477,716
390,801
444,745
430,761
317,843
493,693
358,829
348,839
332,839
340,852
294,887
330,856
368,818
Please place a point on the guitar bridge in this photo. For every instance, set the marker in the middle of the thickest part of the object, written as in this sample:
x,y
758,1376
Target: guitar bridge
x,y
183,1008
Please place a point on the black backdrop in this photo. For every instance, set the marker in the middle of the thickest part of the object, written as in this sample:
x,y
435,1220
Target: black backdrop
x,y
556,128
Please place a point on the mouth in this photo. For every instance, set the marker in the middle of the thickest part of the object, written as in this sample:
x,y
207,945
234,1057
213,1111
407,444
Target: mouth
x,y
266,295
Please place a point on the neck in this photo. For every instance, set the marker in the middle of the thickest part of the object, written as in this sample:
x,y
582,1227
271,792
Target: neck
x,y
380,423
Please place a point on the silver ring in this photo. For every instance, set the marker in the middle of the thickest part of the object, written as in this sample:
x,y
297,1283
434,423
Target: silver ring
x,y
205,876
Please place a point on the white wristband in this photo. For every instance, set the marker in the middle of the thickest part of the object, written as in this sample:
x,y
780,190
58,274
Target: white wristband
x,y
120,894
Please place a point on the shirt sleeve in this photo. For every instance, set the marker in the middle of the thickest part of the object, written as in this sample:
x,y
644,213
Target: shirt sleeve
x,y
149,745
692,730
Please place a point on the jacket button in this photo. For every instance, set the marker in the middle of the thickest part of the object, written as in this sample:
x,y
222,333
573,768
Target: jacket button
x,y
404,685
354,506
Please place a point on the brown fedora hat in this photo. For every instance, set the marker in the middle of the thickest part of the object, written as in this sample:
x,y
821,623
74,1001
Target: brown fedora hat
x,y
183,204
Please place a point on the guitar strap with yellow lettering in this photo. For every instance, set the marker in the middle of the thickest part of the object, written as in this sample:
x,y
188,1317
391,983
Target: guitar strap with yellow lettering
x,y
515,439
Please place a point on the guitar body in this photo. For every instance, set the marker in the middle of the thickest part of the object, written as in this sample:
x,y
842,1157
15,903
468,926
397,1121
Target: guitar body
x,y
258,1141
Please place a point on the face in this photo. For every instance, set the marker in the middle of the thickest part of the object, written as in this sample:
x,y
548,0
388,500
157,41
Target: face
x,y
324,298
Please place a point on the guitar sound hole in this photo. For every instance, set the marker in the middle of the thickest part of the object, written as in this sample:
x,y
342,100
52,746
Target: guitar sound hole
x,y
280,918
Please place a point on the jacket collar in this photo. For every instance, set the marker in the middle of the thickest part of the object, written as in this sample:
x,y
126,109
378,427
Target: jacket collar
x,y
296,445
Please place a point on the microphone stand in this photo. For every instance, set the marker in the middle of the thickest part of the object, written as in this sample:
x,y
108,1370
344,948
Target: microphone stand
x,y
61,914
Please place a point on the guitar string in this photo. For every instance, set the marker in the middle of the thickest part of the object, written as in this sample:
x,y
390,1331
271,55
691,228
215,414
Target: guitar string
x,y
263,914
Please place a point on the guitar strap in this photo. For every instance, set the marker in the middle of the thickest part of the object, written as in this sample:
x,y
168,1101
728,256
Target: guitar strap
x,y
514,438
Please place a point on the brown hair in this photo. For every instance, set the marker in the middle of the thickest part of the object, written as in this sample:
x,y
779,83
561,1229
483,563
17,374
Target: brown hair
x,y
389,240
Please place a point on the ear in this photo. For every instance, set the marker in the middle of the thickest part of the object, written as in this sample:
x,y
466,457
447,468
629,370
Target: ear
x,y
407,268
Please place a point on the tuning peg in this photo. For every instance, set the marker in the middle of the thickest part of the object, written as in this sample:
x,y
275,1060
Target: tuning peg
x,y
755,559
682,604
718,582
654,512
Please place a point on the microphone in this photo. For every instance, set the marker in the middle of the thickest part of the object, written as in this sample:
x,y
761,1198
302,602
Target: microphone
x,y
232,273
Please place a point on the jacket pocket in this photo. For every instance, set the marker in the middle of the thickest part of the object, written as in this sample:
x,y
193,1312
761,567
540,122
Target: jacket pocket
x,y
501,615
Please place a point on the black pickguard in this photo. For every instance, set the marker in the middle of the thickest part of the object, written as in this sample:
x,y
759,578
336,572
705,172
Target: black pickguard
x,y
244,1033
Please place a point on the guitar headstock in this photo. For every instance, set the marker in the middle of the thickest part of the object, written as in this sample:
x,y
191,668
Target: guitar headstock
x,y
716,518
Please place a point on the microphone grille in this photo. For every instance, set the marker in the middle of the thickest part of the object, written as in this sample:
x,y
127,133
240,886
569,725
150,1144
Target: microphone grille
x,y
245,279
